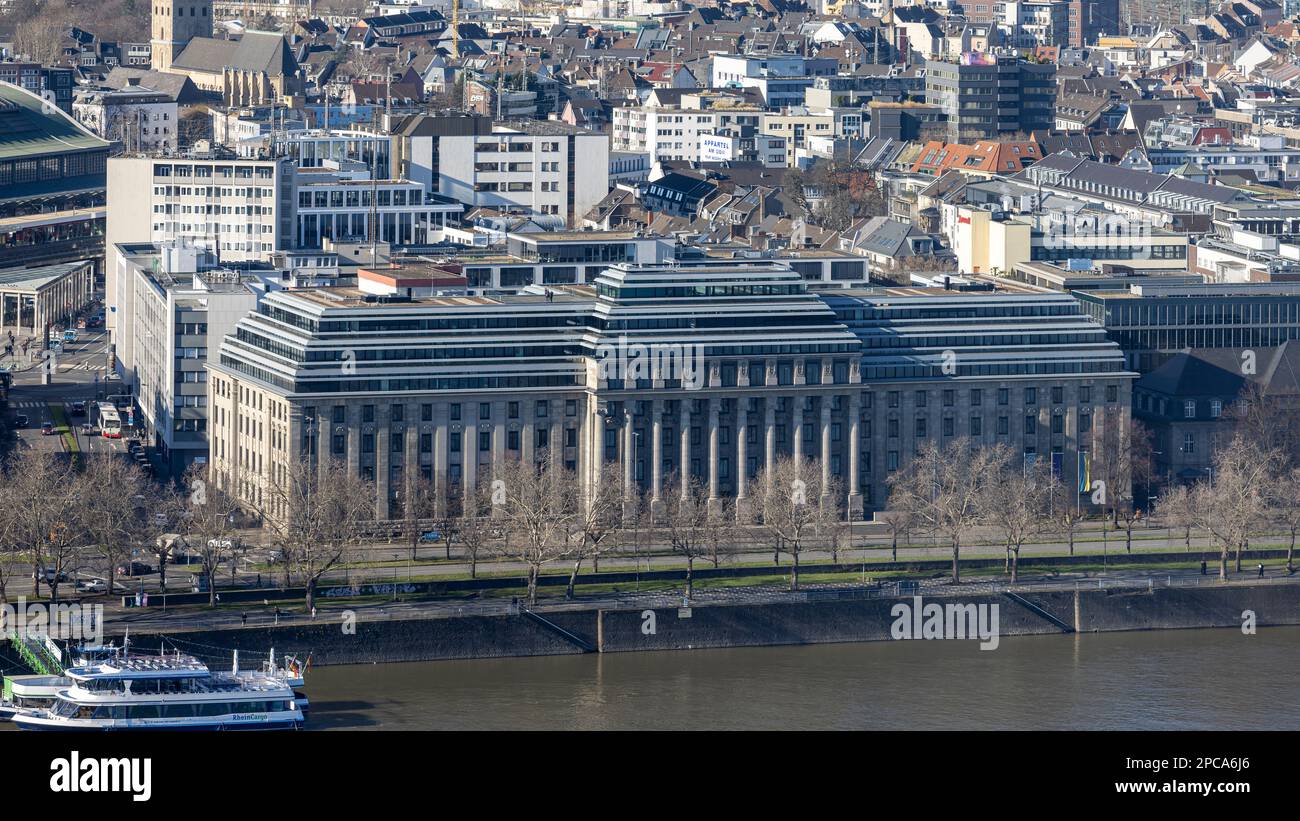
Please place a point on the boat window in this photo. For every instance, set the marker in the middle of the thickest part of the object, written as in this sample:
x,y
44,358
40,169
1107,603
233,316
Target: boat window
x,y
178,711
213,708
103,712
144,711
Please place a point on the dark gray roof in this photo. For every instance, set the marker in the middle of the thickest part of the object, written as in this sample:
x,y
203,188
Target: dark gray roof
x,y
255,51
177,86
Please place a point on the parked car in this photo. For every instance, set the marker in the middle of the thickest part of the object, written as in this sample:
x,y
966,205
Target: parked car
x,y
47,428
135,569
431,536
48,575
92,586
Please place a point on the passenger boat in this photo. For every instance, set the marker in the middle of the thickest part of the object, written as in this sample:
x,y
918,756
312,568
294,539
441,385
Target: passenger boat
x,y
166,692
37,692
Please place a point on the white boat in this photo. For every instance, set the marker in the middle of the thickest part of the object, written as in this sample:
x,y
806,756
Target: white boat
x,y
291,671
36,693
172,692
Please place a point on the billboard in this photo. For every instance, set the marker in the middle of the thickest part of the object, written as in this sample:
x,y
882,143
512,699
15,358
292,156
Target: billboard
x,y
715,148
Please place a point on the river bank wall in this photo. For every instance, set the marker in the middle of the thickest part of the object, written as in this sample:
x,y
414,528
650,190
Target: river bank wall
x,y
814,621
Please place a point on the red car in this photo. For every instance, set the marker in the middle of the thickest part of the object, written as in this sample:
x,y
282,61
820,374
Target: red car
x,y
47,428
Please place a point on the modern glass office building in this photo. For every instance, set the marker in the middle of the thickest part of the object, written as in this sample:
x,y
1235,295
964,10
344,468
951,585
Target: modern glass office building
x,y
1151,323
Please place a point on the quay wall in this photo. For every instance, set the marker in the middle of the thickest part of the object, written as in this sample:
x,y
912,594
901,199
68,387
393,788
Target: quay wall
x,y
728,625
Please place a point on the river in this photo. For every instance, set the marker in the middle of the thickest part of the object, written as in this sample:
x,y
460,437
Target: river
x,y
1157,680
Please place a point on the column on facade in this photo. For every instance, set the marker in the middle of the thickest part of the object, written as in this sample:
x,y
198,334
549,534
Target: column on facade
x,y
769,434
855,446
628,452
469,457
528,438
555,413
353,416
656,455
499,435
796,426
411,469
686,448
742,458
826,446
383,455
441,434
714,457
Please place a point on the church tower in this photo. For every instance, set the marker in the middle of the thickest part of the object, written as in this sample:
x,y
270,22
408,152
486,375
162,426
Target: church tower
x,y
175,23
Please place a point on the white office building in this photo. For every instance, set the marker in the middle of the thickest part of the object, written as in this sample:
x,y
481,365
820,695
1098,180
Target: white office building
x,y
545,170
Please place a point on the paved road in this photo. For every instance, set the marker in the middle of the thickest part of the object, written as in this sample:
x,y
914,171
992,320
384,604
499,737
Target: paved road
x,y
77,375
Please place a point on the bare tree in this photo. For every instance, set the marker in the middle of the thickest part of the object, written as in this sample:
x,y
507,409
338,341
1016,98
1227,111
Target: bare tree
x,y
45,490
787,507
317,514
208,524
1063,502
944,485
447,516
685,520
474,527
1272,422
538,506
40,37
1284,505
720,533
832,525
118,511
419,508
900,518
12,528
1125,462
1178,509
598,518
1017,504
1236,498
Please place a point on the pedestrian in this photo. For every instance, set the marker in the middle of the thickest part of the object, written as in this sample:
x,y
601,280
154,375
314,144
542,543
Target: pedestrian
x,y
259,579
277,615
313,612
1261,570
1202,568
243,619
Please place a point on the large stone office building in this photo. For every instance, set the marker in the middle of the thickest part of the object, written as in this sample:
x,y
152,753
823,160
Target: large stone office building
x,y
752,365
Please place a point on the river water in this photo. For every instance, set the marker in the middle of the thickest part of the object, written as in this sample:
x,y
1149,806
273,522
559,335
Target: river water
x,y
1158,680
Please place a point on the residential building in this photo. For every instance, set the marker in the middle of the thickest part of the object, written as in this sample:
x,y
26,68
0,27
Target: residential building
x,y
139,119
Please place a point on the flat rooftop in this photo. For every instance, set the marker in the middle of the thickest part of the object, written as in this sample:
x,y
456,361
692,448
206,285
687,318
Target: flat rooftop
x,y
354,298
580,236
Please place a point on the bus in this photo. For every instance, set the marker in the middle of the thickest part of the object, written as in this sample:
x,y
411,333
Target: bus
x,y
110,424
